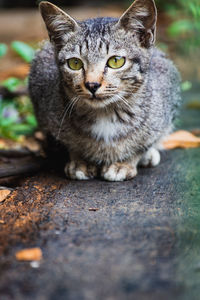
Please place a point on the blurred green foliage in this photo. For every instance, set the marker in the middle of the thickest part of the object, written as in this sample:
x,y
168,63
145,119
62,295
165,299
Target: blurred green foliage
x,y
186,86
185,27
16,115
3,49
25,51
12,83
16,118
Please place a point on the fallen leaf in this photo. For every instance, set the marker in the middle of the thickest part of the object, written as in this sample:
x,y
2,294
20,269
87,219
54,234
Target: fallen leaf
x,y
2,222
9,144
29,254
31,144
195,131
181,139
4,194
195,104
23,144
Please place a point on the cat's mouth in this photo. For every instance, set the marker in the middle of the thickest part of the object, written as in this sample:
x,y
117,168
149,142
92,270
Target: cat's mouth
x,y
99,101
98,97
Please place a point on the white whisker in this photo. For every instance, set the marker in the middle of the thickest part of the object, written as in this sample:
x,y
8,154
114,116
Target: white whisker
x,y
64,110
71,104
120,97
74,103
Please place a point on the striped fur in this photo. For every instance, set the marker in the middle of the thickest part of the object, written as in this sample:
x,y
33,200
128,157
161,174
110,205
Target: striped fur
x,y
108,133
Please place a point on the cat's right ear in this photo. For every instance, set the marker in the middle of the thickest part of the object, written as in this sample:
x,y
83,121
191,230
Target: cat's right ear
x,y
59,24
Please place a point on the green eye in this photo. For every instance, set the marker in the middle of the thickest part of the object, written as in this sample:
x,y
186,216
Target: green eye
x,y
75,63
116,62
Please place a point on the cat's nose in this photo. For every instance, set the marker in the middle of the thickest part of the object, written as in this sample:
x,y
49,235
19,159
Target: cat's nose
x,y
92,86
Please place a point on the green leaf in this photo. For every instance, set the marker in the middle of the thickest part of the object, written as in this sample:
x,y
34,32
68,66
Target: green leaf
x,y
23,50
31,120
21,128
193,8
6,122
186,85
3,49
11,83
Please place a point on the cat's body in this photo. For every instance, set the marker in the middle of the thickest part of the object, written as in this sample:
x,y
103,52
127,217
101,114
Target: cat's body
x,y
110,129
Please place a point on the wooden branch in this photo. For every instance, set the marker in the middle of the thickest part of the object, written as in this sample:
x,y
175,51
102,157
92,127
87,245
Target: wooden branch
x,y
14,153
22,166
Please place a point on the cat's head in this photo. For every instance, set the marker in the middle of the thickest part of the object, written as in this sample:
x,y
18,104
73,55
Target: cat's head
x,y
103,60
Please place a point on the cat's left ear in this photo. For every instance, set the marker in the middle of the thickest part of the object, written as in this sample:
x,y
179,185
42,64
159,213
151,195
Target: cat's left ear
x,y
141,18
58,23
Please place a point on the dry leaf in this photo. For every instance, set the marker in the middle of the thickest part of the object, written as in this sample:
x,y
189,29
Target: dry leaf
x,y
29,254
195,104
9,144
181,139
195,131
31,144
25,143
4,194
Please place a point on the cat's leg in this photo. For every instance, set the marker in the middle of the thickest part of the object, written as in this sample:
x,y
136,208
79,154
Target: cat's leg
x,y
151,158
80,170
120,171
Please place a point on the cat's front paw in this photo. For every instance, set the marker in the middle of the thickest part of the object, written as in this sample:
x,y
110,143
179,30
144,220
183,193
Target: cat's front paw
x,y
79,170
151,158
118,172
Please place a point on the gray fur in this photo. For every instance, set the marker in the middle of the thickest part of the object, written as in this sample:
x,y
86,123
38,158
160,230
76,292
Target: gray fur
x,y
140,102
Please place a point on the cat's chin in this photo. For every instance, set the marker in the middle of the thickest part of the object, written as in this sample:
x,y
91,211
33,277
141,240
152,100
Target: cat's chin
x,y
99,102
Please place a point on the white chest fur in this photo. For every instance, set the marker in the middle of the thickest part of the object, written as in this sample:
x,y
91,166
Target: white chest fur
x,y
107,129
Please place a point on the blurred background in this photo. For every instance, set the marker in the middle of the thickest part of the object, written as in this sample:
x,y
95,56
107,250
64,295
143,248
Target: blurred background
x,y
22,30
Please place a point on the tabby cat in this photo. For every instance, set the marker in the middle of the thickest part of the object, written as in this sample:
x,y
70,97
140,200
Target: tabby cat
x,y
103,90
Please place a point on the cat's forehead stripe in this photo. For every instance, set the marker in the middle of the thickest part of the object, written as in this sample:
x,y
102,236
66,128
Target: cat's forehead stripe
x,y
80,49
97,34
99,45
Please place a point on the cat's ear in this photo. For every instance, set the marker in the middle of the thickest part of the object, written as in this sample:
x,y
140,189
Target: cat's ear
x,y
141,18
58,23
